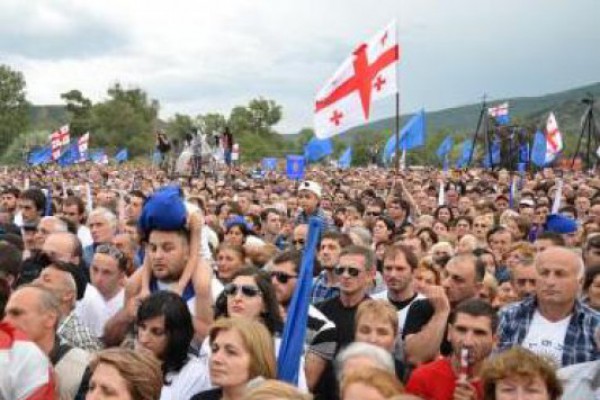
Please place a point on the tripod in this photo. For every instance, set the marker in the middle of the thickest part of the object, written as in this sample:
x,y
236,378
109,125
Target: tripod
x,y
588,128
483,120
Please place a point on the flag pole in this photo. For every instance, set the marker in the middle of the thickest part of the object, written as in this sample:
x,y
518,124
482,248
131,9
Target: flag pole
x,y
397,133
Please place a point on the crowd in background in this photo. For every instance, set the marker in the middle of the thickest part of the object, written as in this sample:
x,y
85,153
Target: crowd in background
x,y
125,282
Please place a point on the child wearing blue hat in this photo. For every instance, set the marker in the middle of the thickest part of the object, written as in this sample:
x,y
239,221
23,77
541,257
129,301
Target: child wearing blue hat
x,y
165,210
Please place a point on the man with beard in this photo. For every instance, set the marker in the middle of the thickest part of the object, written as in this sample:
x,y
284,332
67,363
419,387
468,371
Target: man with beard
x,y
471,331
399,264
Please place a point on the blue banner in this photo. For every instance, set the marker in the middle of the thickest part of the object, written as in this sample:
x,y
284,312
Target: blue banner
x,y
295,165
269,164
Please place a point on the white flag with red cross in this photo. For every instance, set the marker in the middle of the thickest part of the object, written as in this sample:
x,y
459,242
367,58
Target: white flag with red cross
x,y
365,77
58,139
554,140
83,144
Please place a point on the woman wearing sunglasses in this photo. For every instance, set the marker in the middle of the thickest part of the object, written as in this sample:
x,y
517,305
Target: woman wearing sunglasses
x,y
250,294
164,328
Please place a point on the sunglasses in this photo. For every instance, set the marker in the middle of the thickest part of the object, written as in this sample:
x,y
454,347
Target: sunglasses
x,y
372,214
232,289
282,277
299,241
353,272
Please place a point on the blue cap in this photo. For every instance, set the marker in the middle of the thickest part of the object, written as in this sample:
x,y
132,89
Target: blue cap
x,y
163,211
560,224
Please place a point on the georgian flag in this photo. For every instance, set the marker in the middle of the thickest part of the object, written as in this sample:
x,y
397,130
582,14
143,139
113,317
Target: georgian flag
x,y
82,144
58,139
500,113
554,141
368,75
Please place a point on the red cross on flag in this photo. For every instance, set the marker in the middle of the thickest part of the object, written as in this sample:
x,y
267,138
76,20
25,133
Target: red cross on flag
x,y
365,77
554,141
58,139
82,144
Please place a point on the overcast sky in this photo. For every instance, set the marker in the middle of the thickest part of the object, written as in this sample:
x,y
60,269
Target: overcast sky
x,y
198,56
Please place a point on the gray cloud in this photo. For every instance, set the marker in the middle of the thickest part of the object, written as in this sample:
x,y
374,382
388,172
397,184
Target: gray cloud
x,y
63,31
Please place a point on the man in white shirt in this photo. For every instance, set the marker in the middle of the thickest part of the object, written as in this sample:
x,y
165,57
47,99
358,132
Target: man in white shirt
x,y
399,263
73,210
105,296
554,322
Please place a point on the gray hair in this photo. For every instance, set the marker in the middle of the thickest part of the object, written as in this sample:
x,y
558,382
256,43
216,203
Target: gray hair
x,y
106,214
381,357
48,302
362,234
59,224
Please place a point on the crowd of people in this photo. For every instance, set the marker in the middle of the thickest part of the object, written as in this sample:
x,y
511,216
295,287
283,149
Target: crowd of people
x,y
122,282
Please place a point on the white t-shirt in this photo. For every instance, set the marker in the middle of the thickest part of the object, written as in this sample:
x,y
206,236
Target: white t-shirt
x,y
191,379
547,338
93,310
85,236
401,313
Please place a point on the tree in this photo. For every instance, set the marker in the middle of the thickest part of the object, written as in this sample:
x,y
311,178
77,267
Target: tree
x,y
265,114
13,106
128,118
80,112
258,117
211,124
180,125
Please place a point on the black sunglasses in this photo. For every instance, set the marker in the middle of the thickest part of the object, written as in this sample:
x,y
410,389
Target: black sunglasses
x,y
372,214
353,272
281,277
299,241
232,289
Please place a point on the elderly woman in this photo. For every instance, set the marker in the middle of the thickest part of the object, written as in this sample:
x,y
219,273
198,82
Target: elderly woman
x,y
370,383
124,374
519,374
241,351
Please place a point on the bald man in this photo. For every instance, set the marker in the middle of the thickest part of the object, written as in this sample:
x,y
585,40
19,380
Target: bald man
x,y
554,322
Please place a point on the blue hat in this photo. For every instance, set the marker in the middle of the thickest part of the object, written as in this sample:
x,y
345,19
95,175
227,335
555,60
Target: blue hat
x,y
164,211
560,224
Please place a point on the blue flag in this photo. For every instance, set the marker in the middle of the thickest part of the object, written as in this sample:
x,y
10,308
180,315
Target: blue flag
x,y
40,156
345,159
294,168
292,343
463,160
538,150
445,147
412,136
69,156
495,153
98,156
269,164
122,155
316,149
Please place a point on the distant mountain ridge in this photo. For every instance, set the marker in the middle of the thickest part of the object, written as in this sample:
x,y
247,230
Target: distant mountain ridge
x,y
528,111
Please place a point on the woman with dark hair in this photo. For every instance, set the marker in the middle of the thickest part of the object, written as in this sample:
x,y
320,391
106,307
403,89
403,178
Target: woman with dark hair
x,y
165,328
591,287
444,213
428,235
236,231
383,229
250,294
